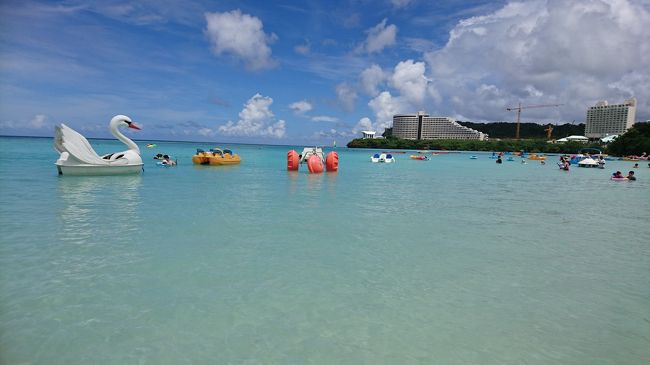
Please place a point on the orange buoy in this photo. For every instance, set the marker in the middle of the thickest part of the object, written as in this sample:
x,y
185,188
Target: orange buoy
x,y
315,164
293,160
332,161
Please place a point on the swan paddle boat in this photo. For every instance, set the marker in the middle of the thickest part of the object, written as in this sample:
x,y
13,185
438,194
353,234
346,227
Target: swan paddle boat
x,y
216,157
315,160
384,157
79,158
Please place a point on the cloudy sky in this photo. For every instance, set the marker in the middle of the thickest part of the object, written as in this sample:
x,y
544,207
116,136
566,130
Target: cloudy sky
x,y
307,72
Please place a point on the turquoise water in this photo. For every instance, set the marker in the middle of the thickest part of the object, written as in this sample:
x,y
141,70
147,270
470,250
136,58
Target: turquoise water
x,y
448,261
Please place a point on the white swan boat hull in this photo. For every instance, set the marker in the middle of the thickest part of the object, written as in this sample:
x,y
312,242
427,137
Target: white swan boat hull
x,y
89,170
77,157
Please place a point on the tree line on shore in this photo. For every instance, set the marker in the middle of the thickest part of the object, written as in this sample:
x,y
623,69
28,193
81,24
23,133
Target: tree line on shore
x,y
634,142
527,130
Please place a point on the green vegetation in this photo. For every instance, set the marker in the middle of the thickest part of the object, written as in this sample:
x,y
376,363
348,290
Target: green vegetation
x,y
633,142
527,130
511,145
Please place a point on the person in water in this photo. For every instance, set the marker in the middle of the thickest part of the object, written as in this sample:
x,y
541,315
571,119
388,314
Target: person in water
x,y
168,161
630,175
499,159
617,175
636,165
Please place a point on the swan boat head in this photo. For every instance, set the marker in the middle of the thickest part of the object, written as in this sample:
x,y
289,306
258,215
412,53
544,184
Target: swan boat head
x,y
122,120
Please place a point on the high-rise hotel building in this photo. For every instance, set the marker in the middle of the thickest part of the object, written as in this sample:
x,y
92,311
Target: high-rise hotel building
x,y
423,126
606,120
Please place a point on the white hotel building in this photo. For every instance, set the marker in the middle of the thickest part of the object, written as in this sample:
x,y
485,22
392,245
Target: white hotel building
x,y
423,126
604,120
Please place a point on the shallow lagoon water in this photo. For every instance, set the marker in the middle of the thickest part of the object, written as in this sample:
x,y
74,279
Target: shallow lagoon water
x,y
450,261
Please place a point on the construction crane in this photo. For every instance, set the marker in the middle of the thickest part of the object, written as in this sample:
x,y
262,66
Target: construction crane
x,y
549,131
519,108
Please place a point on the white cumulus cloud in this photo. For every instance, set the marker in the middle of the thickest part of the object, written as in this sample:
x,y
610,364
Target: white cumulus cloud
x,y
301,107
385,106
371,78
410,80
242,36
256,119
324,118
39,121
545,52
364,124
379,37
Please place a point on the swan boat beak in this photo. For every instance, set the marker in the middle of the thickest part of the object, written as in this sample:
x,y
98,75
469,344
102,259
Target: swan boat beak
x,y
134,126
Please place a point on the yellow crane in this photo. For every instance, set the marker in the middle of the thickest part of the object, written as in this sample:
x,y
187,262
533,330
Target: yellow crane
x,y
519,108
549,131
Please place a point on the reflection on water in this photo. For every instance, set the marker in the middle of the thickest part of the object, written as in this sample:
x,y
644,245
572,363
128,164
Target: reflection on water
x,y
216,169
95,206
311,183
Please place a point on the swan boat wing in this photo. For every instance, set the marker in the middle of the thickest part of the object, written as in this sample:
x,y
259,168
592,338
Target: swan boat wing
x,y
68,140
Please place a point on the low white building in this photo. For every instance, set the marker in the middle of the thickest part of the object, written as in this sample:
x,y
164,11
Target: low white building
x,y
609,138
368,134
582,139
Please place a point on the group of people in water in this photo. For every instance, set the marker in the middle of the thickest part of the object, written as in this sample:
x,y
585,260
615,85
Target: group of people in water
x,y
164,159
619,176
565,163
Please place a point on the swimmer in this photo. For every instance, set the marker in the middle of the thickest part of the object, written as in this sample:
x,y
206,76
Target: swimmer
x,y
499,159
630,175
636,165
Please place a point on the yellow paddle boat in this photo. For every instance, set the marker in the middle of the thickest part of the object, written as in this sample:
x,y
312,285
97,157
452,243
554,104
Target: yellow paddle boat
x,y
216,156
536,157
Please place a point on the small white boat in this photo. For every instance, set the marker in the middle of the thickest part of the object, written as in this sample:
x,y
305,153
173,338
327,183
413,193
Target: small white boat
x,y
588,162
384,157
77,157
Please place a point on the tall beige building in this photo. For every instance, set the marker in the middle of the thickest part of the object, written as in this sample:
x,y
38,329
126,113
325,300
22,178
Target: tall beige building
x,y
605,120
423,126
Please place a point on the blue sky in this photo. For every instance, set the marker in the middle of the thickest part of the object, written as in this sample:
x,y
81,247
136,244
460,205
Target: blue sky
x,y
310,72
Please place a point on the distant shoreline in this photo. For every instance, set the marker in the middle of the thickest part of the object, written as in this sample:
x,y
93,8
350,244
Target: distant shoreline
x,y
527,145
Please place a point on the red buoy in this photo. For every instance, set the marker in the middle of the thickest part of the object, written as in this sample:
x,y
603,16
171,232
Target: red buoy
x,y
332,161
315,164
293,160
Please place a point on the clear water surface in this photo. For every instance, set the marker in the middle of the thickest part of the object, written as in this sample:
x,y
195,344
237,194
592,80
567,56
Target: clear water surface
x,y
448,261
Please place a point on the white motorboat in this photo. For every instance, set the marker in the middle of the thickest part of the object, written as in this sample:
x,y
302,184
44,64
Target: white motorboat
x,y
588,162
384,157
79,158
